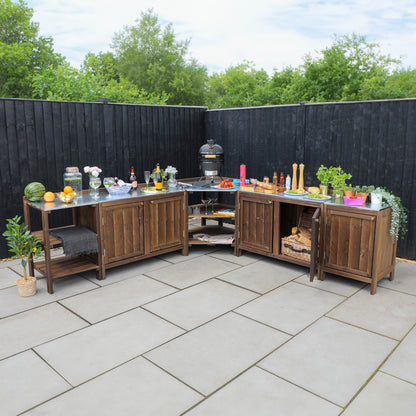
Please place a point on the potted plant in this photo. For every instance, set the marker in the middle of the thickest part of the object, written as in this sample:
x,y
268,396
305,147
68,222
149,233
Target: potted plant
x,y
324,176
364,190
25,246
398,225
349,191
338,181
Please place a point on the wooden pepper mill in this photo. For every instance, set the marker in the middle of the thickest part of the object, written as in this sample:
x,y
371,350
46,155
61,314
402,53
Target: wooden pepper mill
x,y
301,183
294,177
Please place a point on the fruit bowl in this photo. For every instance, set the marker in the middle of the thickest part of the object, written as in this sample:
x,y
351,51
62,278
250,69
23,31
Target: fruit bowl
x,y
66,198
119,189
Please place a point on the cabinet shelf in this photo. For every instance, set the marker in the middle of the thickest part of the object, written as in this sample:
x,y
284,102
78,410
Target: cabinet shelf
x,y
61,266
211,230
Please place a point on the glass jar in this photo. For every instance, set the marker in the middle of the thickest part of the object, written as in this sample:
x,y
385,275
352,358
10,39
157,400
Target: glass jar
x,y
73,178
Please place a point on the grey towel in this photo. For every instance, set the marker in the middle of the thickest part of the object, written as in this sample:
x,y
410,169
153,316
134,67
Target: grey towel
x,y
77,240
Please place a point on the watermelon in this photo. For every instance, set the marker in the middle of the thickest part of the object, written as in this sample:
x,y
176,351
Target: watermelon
x,y
34,191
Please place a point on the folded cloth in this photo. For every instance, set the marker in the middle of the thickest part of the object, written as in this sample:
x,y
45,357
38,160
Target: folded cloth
x,y
215,239
76,240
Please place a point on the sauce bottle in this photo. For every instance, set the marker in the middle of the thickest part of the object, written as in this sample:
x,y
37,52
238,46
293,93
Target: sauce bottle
x,y
282,180
275,179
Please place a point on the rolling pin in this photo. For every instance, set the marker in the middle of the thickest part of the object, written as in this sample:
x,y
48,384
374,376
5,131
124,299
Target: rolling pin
x,y
294,177
301,184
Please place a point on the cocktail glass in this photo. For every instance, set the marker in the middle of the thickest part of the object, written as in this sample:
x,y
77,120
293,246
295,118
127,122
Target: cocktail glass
x,y
147,178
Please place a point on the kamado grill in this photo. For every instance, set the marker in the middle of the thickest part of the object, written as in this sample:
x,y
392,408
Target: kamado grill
x,y
211,159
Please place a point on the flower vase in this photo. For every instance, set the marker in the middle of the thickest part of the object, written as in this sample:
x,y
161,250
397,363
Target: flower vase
x,y
172,182
95,183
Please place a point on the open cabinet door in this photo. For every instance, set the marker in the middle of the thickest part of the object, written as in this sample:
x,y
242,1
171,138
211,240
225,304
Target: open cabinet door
x,y
316,218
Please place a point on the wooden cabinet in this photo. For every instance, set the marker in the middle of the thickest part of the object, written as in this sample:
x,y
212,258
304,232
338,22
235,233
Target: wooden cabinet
x,y
255,224
165,223
122,230
357,244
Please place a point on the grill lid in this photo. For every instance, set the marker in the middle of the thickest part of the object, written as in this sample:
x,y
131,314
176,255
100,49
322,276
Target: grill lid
x,y
211,148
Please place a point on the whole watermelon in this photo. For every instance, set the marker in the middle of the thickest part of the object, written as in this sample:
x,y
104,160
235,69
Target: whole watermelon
x,y
34,191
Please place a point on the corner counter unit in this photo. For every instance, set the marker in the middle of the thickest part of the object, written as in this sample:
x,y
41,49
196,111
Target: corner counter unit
x,y
353,242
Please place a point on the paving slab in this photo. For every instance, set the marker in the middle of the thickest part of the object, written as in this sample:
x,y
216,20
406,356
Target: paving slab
x,y
26,381
402,363
136,388
291,307
110,300
28,329
119,273
404,278
11,302
227,254
198,304
384,395
85,354
387,312
213,354
176,256
191,272
332,283
8,277
19,270
264,275
257,392
330,359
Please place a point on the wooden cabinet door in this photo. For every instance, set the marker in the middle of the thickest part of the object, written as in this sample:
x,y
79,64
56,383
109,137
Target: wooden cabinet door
x,y
349,242
166,223
123,231
255,224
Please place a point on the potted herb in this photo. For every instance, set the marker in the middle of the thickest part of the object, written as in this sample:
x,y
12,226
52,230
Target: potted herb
x,y
349,191
364,190
324,176
398,226
25,246
338,181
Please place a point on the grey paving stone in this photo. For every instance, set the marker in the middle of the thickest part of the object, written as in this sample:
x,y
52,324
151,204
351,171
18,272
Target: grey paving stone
x,y
11,302
384,396
19,270
402,363
332,283
212,354
330,359
8,277
176,256
387,312
263,275
188,273
291,307
136,388
404,278
110,300
26,381
198,304
85,354
28,329
257,392
119,273
8,262
227,254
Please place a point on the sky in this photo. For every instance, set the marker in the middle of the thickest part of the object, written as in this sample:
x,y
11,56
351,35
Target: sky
x,y
273,34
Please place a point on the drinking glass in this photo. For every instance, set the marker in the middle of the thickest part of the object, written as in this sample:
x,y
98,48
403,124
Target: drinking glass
x,y
206,202
147,178
108,183
213,202
94,185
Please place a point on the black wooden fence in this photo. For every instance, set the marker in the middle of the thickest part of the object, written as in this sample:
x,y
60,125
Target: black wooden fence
x,y
38,139
374,140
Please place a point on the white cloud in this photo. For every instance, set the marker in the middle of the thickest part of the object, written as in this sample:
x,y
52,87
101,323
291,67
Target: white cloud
x,y
271,33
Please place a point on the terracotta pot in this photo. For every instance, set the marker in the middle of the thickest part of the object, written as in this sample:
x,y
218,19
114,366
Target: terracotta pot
x,y
362,195
349,194
26,287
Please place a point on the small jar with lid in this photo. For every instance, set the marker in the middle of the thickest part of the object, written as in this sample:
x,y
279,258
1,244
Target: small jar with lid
x,y
73,178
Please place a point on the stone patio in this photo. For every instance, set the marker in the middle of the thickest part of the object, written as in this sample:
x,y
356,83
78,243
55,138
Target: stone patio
x,y
208,334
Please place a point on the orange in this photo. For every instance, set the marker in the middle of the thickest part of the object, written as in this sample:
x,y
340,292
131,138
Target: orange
x,y
68,190
49,196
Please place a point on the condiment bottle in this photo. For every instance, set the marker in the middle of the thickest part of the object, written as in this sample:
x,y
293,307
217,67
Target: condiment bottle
x,y
288,182
275,179
282,180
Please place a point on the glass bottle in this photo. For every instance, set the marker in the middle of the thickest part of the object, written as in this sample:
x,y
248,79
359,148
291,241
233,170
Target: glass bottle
x,y
275,179
158,179
288,184
133,179
73,178
282,180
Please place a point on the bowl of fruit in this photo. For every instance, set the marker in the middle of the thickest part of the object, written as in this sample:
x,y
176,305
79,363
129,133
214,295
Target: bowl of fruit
x,y
226,183
67,196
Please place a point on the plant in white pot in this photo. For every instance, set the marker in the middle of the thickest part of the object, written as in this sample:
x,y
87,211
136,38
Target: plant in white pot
x,y
25,246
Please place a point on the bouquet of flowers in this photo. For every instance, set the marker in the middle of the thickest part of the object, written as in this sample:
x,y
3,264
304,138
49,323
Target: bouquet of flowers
x,y
171,170
92,171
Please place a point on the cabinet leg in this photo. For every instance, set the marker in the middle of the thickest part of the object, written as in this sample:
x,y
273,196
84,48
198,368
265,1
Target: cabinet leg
x,y
49,284
237,252
391,275
373,287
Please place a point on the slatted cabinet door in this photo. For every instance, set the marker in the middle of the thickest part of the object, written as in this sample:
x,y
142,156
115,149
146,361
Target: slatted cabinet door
x,y
123,231
255,223
349,242
166,223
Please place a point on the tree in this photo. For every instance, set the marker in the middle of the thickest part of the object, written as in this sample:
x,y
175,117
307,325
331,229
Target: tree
x,y
71,84
151,58
239,86
23,53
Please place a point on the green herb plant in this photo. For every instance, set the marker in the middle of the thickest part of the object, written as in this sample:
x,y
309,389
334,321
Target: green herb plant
x,y
338,180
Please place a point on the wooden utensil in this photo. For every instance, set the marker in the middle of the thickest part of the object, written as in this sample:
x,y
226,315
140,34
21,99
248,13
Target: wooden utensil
x,y
301,184
294,177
